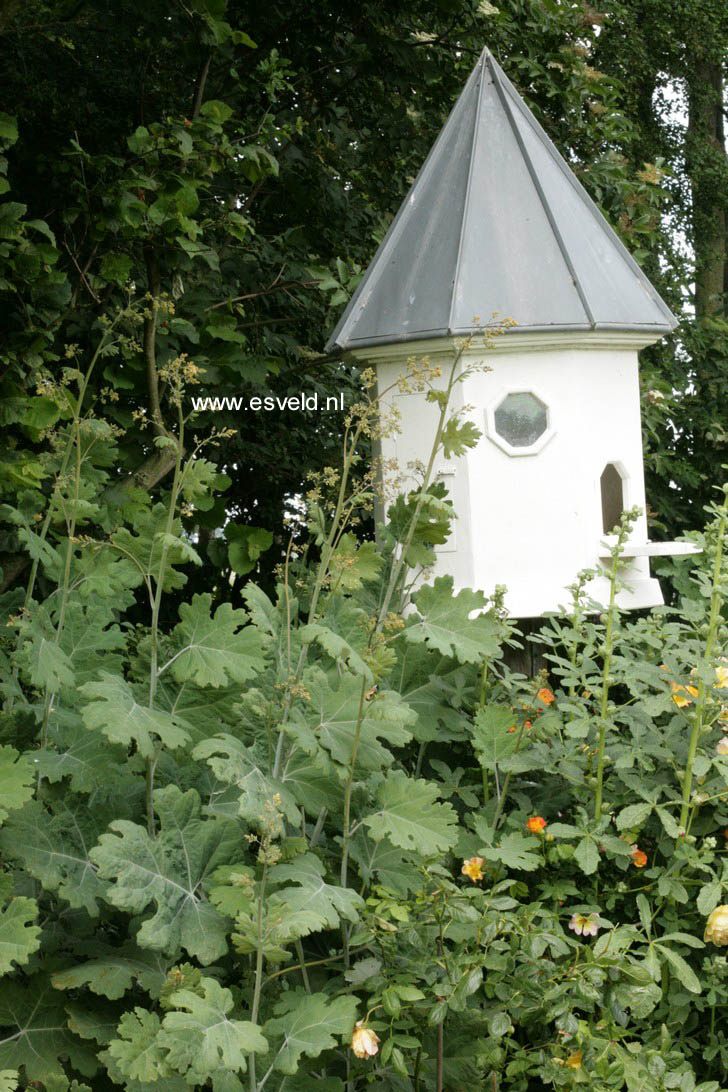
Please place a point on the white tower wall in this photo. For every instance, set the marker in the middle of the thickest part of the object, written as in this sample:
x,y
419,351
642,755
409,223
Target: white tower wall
x,y
531,518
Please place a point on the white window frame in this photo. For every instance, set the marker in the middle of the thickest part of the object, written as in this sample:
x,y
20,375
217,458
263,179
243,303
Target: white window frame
x,y
493,435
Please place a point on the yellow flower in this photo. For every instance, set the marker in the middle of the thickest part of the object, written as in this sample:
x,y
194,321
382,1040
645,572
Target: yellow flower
x,y
473,868
721,676
680,694
364,1041
574,1060
721,747
716,928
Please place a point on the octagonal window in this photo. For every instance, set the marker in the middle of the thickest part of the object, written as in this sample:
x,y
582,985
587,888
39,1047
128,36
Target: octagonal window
x,y
521,418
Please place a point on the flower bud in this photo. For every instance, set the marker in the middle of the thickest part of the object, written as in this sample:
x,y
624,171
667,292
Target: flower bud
x,y
716,928
364,1041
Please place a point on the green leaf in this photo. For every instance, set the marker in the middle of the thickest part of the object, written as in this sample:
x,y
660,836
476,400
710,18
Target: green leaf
x,y
8,128
410,818
353,563
117,714
491,736
169,871
328,721
114,972
53,847
144,548
645,914
201,1039
708,897
36,1034
9,1080
212,650
515,851
116,267
137,1052
280,926
310,1025
18,939
329,902
458,436
683,970
235,764
16,781
586,856
633,817
140,140
671,825
444,623
50,667
245,545
218,111
337,647
85,757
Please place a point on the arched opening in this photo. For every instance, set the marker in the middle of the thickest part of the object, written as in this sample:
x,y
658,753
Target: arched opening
x,y
612,489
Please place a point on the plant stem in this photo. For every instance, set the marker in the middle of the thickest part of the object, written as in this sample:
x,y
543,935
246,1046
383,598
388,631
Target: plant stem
x,y
716,600
346,830
66,458
502,797
440,1056
258,986
604,705
399,563
625,526
154,630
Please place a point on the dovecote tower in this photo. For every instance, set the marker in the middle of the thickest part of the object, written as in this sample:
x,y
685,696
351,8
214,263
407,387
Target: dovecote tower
x,y
496,222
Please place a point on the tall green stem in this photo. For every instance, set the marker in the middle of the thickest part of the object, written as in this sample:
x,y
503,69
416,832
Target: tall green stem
x,y
716,600
154,630
399,564
72,444
606,668
625,526
258,984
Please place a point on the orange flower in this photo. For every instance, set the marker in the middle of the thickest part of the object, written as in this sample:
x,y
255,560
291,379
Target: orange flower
x,y
473,868
364,1041
639,857
536,824
545,696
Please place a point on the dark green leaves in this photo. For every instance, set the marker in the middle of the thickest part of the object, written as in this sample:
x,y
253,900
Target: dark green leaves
x,y
168,871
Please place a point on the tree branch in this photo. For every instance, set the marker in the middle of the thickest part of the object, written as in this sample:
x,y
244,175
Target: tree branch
x,y
201,87
150,341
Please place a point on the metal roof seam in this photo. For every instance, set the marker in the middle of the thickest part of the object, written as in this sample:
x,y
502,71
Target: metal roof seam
x,y
463,223
539,190
574,182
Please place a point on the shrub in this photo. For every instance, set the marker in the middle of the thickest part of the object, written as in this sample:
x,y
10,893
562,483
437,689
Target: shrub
x,y
332,840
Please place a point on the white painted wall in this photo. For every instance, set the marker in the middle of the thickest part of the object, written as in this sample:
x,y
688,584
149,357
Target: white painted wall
x,y
532,521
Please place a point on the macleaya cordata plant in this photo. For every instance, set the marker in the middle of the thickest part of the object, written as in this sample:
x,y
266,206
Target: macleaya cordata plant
x,y
615,552
331,838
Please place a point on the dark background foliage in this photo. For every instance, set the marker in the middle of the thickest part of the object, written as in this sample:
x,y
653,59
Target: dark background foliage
x,y
256,216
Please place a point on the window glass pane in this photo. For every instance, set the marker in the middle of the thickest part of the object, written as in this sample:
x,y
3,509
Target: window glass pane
x,y
521,418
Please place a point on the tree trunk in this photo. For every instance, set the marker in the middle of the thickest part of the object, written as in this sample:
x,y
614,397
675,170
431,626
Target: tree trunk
x,y
708,171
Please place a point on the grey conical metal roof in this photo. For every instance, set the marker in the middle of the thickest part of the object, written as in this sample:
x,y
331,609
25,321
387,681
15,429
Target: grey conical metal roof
x,y
496,221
